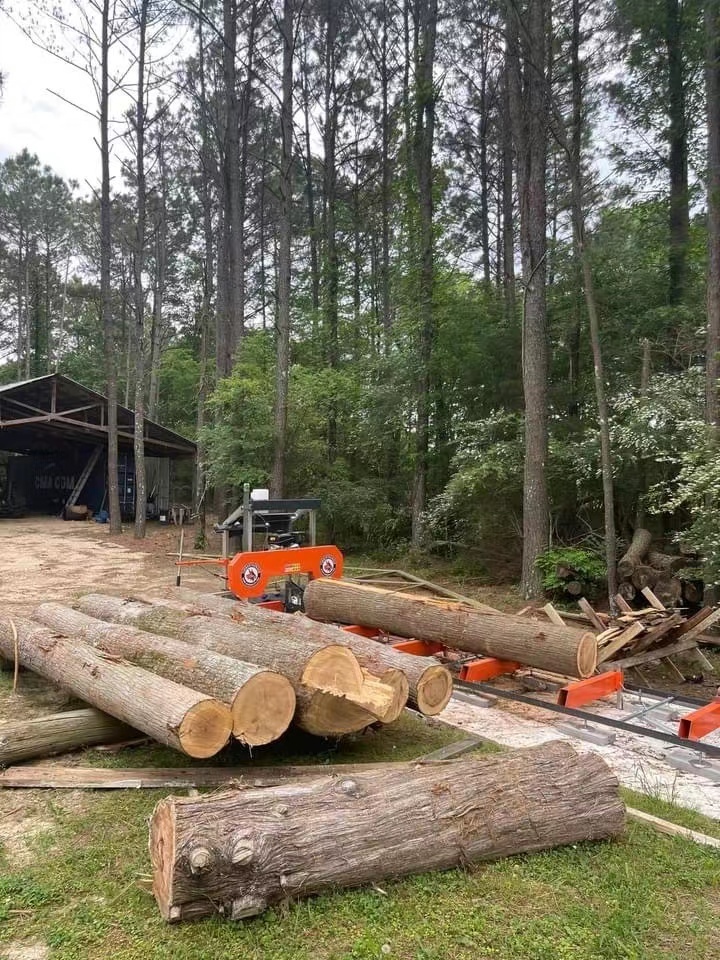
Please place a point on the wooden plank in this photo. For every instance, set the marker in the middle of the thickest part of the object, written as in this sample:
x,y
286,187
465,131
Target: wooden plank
x,y
622,604
692,631
672,829
452,750
619,642
652,599
587,609
48,776
658,653
608,634
552,615
657,633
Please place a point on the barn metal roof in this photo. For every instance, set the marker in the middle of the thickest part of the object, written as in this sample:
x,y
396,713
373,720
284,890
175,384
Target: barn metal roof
x,y
53,413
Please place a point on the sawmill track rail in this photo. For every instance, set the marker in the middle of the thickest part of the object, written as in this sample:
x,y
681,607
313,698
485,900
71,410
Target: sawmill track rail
x,y
485,690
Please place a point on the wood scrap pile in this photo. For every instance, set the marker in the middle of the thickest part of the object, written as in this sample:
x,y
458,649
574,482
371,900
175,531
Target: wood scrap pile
x,y
192,672
641,567
633,637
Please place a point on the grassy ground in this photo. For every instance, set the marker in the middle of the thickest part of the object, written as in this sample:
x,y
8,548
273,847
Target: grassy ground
x,y
80,890
74,873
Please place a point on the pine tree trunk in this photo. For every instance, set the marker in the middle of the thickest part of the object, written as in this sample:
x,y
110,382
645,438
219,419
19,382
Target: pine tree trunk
x,y
526,53
170,713
487,632
59,733
712,94
262,701
282,359
138,267
105,278
238,852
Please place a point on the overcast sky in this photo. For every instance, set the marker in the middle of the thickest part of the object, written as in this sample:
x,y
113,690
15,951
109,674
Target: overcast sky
x,y
30,116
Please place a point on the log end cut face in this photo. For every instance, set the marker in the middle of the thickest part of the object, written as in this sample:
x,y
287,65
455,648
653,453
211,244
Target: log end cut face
x,y
263,709
434,690
325,715
205,728
587,655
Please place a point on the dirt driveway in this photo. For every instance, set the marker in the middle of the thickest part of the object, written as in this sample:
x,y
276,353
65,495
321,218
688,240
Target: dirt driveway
x,y
42,558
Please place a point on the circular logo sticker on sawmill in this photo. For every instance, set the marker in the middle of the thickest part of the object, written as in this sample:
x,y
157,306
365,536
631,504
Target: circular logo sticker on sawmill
x,y
250,574
328,566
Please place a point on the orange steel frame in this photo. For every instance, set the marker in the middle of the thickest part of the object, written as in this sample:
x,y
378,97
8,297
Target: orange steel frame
x,y
701,722
580,692
249,574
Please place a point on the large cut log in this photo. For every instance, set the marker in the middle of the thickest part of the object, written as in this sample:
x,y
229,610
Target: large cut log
x,y
334,695
635,554
668,590
559,649
238,852
170,713
262,702
430,684
59,733
644,576
666,561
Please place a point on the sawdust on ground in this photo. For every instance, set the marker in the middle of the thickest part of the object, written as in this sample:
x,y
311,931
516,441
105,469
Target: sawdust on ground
x,y
33,950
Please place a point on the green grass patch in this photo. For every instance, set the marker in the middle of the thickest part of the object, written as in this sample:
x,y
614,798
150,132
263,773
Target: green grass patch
x,y
643,897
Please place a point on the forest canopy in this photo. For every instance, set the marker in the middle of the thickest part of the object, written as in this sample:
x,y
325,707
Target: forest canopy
x,y
451,266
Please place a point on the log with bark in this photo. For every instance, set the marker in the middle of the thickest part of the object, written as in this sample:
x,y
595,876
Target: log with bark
x,y
560,649
666,562
430,683
238,852
262,701
335,696
175,715
59,733
644,576
668,589
635,553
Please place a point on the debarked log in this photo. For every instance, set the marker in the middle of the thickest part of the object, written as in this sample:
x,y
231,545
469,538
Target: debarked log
x,y
238,852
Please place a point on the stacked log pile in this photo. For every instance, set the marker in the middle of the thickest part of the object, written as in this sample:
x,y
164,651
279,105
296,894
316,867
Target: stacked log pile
x,y
192,673
642,567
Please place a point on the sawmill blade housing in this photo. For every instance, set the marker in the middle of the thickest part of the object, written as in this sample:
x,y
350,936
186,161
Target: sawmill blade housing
x,y
263,554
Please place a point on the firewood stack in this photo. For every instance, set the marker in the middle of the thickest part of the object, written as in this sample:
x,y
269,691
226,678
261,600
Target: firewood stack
x,y
641,567
193,673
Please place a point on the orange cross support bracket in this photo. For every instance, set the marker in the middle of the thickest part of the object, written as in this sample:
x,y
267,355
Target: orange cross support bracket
x,y
486,668
420,648
370,633
701,722
580,692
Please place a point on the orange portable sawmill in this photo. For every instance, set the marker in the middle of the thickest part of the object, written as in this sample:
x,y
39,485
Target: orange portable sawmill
x,y
265,557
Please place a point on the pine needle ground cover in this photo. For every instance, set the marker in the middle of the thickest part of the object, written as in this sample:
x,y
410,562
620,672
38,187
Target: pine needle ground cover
x,y
74,885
